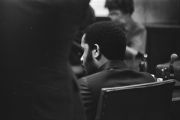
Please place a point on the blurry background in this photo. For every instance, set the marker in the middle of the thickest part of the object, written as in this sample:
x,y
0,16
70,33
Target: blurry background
x,y
148,11
162,20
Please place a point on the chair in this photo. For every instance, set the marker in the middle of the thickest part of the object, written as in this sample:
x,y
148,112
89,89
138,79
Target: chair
x,y
176,108
149,101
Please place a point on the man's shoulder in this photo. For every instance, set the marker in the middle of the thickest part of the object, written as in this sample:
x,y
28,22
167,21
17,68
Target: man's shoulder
x,y
146,76
132,75
116,77
118,73
94,76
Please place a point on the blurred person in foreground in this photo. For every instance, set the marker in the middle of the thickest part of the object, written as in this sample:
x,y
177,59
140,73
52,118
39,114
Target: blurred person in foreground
x,y
121,11
36,79
104,45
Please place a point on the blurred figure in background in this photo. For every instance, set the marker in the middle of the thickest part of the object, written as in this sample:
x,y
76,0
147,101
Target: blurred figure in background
x,y
37,82
121,11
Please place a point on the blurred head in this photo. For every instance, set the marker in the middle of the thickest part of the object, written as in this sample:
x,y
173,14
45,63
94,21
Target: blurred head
x,y
120,9
101,42
76,49
89,18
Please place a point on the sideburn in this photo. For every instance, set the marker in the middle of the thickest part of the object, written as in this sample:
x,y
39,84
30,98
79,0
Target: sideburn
x,y
91,67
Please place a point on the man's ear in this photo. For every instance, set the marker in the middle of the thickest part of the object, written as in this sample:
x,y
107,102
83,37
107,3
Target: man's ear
x,y
96,51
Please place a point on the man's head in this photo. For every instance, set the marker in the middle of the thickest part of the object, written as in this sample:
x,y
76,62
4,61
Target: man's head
x,y
101,42
120,9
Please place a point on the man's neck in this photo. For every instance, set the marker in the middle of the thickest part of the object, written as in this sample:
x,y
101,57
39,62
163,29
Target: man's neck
x,y
113,64
102,61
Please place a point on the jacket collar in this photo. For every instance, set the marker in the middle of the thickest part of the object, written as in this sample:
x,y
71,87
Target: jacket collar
x,y
113,64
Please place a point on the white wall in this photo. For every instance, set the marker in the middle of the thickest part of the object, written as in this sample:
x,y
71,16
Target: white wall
x,y
98,6
147,11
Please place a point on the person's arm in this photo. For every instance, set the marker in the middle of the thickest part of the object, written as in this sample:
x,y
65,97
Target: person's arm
x,y
138,43
131,51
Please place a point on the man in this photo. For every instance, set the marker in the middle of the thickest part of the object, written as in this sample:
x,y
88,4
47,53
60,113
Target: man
x,y
121,11
36,80
104,45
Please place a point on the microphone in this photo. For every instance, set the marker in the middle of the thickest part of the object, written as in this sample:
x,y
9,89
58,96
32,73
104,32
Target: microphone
x,y
171,68
143,63
173,58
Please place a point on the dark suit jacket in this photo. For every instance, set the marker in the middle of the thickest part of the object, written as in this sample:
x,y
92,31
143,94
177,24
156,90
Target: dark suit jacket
x,y
111,74
35,39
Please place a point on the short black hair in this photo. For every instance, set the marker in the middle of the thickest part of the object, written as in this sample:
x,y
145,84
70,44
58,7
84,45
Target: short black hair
x,y
111,38
126,6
